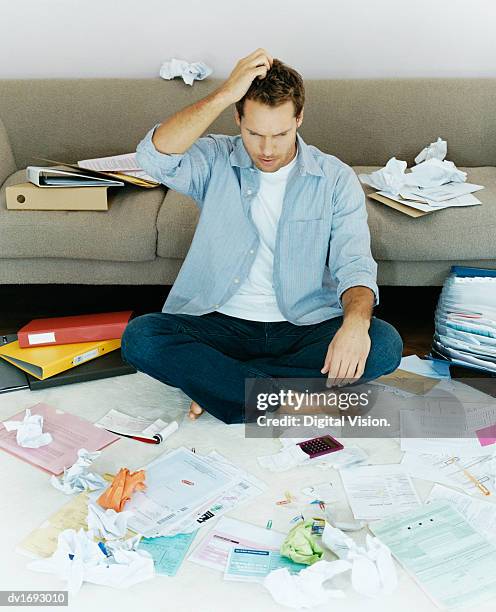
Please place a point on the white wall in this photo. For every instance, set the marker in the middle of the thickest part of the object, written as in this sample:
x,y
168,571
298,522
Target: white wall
x,y
322,38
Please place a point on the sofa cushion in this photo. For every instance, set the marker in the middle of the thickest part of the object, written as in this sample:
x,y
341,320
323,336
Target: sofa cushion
x,y
176,225
450,234
126,232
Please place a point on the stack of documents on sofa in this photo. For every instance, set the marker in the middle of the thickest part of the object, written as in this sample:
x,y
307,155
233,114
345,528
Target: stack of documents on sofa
x,y
60,188
466,318
81,186
54,351
432,184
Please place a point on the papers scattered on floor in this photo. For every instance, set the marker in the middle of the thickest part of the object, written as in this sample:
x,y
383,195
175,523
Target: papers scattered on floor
x,y
449,558
78,478
376,491
479,513
185,490
137,427
168,552
373,572
425,367
291,455
307,589
107,524
29,430
465,473
69,433
254,564
79,559
213,551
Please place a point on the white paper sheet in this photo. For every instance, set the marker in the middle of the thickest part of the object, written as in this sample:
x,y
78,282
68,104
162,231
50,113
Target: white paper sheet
x,y
480,514
376,491
442,469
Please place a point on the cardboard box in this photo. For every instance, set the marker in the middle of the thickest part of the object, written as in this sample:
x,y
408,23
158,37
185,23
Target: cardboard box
x,y
27,196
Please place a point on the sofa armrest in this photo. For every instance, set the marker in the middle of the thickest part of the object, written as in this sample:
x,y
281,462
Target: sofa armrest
x,y
7,161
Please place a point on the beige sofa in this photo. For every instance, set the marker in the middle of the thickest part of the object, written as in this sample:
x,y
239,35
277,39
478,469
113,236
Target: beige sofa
x,y
145,235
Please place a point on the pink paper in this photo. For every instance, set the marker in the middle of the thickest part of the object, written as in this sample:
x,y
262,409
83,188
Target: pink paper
x,y
487,435
69,433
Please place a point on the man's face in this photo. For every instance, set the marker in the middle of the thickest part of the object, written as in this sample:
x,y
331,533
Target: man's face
x,y
269,133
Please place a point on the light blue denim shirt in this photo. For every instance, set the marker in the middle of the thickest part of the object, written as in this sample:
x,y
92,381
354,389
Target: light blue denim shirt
x,y
322,244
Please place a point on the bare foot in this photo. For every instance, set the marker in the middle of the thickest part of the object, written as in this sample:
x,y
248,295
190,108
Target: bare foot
x,y
195,411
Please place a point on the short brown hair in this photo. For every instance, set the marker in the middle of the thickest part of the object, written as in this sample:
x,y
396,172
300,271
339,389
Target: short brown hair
x,y
281,84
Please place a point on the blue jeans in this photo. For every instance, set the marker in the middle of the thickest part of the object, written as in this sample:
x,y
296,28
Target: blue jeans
x,y
209,356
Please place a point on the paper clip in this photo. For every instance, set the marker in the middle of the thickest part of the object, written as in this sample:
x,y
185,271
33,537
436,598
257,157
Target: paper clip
x,y
322,506
282,502
188,482
193,449
269,525
295,519
288,497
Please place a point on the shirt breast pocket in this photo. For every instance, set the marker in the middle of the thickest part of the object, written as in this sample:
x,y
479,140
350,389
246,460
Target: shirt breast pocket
x,y
304,250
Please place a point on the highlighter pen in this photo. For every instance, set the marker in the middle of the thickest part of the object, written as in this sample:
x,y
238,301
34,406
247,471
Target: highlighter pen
x,y
484,490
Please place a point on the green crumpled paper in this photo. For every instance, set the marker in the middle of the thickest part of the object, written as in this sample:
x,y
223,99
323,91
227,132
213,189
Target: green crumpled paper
x,y
300,545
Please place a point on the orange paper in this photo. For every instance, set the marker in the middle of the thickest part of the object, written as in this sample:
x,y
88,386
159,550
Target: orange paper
x,y
125,483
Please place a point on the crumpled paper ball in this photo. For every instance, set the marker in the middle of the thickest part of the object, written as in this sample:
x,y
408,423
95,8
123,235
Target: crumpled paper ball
x,y
300,545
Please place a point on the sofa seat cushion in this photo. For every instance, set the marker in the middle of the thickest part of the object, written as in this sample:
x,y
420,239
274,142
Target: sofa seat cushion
x,y
457,234
126,232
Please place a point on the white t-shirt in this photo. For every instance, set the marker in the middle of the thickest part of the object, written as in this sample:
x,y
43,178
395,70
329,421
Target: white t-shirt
x,y
255,299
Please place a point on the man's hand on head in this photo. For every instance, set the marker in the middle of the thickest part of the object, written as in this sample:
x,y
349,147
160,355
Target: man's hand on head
x,y
255,65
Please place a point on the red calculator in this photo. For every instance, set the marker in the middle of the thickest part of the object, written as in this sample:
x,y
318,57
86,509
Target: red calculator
x,y
320,446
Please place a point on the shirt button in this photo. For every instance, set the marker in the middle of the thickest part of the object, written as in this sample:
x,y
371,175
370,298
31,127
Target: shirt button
x,y
236,280
252,251
249,192
216,306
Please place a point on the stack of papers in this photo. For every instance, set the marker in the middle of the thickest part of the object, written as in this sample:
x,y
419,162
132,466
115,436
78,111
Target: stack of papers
x,y
466,319
432,184
125,164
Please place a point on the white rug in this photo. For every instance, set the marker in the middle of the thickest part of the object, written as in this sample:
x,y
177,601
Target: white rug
x,y
27,499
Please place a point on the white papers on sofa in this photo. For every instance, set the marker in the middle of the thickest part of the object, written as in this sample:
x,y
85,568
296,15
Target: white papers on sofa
x,y
433,180
436,150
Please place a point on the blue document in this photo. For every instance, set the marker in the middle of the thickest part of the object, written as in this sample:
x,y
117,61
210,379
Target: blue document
x,y
252,565
168,552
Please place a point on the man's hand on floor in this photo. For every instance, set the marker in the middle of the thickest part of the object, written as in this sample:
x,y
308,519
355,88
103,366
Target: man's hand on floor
x,y
347,354
254,65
